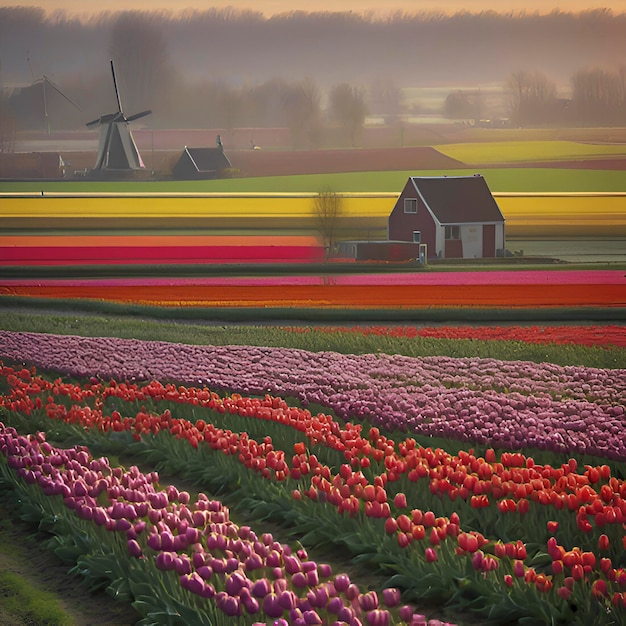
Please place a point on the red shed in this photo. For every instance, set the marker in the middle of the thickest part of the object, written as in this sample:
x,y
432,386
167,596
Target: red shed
x,y
455,216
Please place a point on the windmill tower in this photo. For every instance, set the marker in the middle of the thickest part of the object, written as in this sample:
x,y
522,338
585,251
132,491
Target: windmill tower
x,y
116,147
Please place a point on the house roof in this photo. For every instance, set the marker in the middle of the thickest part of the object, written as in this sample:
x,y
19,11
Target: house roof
x,y
207,159
458,199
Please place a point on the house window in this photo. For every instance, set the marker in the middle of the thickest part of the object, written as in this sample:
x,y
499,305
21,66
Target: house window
x,y
452,232
410,205
417,236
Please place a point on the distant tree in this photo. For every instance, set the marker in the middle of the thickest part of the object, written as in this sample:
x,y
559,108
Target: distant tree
x,y
301,107
7,128
7,120
599,96
347,107
533,98
385,98
139,50
461,104
328,210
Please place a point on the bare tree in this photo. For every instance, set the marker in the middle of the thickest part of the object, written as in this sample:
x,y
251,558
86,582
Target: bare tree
x,y
327,212
598,95
7,128
385,98
301,106
533,98
347,106
139,49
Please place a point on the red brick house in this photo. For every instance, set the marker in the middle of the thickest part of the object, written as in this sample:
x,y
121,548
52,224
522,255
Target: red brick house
x,y
455,216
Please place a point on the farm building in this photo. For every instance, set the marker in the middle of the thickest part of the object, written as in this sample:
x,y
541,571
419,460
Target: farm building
x,y
455,216
390,251
200,163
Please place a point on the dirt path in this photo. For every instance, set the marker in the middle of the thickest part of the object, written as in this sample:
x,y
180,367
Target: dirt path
x,y
22,554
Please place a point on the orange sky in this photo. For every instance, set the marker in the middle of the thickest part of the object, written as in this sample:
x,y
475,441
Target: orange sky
x,y
270,7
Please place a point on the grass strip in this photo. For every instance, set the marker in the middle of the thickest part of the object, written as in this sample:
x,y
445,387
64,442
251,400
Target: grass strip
x,y
260,331
21,603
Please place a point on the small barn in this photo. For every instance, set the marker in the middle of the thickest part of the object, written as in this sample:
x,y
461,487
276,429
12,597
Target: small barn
x,y
388,251
457,217
200,163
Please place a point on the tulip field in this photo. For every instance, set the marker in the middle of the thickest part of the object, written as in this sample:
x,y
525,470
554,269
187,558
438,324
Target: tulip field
x,y
399,459
492,489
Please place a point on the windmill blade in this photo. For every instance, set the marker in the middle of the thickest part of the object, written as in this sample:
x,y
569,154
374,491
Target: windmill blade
x,y
138,115
117,93
45,79
104,119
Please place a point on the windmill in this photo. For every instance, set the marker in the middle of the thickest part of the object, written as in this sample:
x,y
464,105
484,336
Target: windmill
x,y
116,147
46,82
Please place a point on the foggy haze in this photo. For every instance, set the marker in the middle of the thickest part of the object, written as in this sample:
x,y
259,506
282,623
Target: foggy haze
x,y
179,64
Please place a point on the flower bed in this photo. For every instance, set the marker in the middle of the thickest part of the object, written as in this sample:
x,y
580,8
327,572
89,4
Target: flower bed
x,y
508,404
181,562
505,289
509,535
590,335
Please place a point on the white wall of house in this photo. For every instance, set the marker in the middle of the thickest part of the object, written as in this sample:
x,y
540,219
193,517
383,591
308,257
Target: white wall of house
x,y
472,238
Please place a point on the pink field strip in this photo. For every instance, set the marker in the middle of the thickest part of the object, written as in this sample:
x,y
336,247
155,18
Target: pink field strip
x,y
515,277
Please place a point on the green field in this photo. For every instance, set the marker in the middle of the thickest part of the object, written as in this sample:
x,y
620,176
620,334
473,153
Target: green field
x,y
499,180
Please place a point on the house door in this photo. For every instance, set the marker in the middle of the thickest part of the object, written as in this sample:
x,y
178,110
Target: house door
x,y
489,240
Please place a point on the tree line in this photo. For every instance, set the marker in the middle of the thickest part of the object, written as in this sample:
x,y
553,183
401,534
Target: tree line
x,y
306,71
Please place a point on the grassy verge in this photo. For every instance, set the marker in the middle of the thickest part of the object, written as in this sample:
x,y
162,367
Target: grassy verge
x,y
253,332
20,603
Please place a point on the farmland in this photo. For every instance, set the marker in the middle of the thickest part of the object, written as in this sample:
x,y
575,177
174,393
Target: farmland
x,y
294,442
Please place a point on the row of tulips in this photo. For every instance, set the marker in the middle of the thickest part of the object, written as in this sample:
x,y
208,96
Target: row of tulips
x,y
574,503
215,561
591,335
507,404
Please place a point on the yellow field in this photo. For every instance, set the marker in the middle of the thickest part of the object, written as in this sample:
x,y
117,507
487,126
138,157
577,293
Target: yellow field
x,y
526,214
527,151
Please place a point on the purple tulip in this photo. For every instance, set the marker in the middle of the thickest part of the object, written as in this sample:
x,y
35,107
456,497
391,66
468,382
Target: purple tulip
x,y
299,580
271,606
182,564
342,582
287,600
235,582
250,604
280,585
261,588
335,605
378,617
231,606
368,601
406,613
352,592
165,561
134,548
254,561
391,597
192,582
205,571
292,564
325,570
311,617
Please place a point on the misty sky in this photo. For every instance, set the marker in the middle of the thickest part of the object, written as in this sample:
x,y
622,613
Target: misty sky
x,y
270,7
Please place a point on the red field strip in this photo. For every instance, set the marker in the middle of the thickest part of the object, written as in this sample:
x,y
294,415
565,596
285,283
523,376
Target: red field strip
x,y
611,335
151,255
64,241
409,279
343,296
